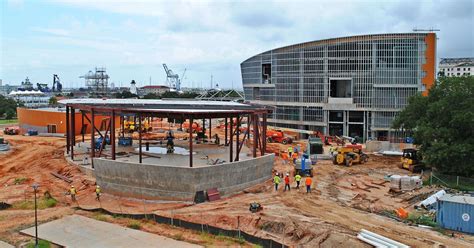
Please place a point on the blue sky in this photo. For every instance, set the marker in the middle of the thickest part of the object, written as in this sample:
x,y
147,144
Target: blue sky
x,y
132,39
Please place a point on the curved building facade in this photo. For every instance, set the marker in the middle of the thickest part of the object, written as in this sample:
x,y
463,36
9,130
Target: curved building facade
x,y
352,86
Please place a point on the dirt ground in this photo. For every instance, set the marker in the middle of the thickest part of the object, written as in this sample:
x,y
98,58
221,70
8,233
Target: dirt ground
x,y
344,201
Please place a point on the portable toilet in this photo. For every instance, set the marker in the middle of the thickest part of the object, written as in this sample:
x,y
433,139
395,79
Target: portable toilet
x,y
456,212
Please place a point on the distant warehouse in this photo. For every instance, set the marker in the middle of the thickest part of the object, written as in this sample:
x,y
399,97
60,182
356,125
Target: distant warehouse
x,y
352,86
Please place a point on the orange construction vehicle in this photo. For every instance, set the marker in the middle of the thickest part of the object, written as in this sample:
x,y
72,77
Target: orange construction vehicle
x,y
14,130
196,127
278,136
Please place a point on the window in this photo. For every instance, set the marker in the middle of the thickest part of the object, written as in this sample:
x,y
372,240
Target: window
x,y
459,73
341,88
267,73
459,69
469,68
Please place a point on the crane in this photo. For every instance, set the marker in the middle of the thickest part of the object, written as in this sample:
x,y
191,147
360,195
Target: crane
x,y
57,86
173,79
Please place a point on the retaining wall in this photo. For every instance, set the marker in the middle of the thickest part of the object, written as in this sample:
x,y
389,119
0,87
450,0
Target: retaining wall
x,y
179,183
380,146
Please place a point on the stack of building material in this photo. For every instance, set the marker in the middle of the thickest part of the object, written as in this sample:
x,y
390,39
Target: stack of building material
x,y
405,183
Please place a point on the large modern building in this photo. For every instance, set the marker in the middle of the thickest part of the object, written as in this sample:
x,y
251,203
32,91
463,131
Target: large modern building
x,y
352,86
456,67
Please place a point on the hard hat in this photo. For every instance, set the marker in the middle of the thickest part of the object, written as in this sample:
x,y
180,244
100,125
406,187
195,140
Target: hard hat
x,y
72,186
98,186
276,173
287,174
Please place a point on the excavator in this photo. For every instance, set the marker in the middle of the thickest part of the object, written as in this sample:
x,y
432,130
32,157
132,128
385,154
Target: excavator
x,y
411,160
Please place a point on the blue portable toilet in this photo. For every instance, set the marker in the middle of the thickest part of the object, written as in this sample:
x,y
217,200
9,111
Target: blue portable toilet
x,y
456,212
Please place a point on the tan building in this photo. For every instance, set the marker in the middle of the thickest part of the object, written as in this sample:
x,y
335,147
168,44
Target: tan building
x,y
155,89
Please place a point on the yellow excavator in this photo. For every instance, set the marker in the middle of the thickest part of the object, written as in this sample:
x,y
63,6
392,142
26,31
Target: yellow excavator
x,y
411,160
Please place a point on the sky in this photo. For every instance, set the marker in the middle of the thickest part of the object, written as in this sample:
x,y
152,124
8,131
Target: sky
x,y
132,39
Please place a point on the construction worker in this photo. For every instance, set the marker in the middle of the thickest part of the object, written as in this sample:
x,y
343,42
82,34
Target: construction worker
x,y
290,151
277,181
97,192
295,157
332,149
287,182
308,182
73,193
297,180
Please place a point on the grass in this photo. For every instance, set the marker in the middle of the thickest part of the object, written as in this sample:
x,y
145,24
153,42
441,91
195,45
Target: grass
x,y
11,121
178,236
100,217
43,203
20,180
41,244
421,219
134,225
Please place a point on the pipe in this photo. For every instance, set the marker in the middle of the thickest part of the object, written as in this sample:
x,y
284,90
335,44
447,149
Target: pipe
x,y
385,239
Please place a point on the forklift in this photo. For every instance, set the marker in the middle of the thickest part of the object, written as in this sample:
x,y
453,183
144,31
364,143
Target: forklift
x,y
411,160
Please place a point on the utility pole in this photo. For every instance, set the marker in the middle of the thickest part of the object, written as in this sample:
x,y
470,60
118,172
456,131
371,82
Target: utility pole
x,y
35,187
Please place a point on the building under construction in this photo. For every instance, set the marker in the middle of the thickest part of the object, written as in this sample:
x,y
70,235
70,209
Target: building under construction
x,y
352,86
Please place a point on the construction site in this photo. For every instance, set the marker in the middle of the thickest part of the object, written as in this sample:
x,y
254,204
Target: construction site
x,y
202,173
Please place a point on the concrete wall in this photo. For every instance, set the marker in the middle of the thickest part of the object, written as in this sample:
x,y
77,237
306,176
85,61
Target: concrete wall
x,y
179,183
380,146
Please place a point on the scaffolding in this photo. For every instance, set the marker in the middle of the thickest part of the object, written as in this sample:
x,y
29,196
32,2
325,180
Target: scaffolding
x,y
97,82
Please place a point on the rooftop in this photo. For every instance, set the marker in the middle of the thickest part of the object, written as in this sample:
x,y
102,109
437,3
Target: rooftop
x,y
456,60
463,199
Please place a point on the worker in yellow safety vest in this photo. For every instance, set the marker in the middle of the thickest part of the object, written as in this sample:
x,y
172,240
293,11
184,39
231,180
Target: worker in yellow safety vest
x,y
97,192
297,180
290,151
276,181
73,193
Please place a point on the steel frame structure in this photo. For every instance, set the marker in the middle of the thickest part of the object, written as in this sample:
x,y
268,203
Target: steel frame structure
x,y
256,119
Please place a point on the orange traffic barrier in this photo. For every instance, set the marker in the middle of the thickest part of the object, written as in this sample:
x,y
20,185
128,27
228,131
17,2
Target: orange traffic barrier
x,y
402,213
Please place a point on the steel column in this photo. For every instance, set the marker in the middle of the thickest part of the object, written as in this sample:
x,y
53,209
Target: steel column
x,y
112,134
231,142
73,132
191,142
225,128
82,126
237,137
255,135
68,129
210,133
139,138
264,135
92,137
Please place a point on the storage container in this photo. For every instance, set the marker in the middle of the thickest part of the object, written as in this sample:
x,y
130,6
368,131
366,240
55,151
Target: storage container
x,y
456,212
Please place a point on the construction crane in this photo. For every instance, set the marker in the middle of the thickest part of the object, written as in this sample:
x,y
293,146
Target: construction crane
x,y
57,86
173,79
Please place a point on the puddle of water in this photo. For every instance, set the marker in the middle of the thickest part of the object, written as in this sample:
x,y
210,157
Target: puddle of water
x,y
162,150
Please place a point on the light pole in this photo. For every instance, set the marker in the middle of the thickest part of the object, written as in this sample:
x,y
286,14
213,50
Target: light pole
x,y
35,187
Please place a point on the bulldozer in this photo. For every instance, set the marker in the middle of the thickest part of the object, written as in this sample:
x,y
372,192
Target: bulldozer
x,y
411,160
350,154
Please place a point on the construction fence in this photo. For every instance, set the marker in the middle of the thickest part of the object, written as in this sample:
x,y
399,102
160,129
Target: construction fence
x,y
194,226
455,182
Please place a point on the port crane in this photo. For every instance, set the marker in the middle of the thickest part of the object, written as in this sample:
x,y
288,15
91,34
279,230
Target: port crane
x,y
173,79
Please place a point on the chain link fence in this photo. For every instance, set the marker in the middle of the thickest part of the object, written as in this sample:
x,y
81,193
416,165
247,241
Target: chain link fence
x,y
455,182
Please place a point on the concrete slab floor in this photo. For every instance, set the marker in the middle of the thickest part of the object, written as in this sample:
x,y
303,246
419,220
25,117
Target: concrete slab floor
x,y
203,154
5,245
79,231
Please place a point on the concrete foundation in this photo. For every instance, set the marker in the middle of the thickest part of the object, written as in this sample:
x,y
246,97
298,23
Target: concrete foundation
x,y
179,183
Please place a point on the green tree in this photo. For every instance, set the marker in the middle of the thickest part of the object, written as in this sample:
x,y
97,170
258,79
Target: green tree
x,y
443,125
125,94
8,106
53,101
151,96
